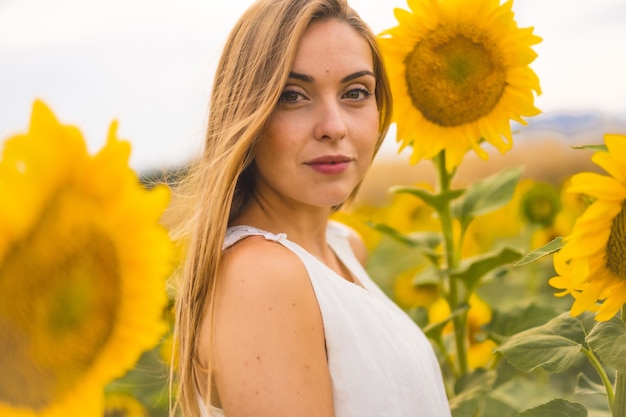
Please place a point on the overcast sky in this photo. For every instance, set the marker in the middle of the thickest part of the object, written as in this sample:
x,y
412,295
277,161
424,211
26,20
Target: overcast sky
x,y
149,63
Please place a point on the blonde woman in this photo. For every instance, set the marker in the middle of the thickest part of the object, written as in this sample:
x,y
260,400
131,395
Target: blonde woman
x,y
276,316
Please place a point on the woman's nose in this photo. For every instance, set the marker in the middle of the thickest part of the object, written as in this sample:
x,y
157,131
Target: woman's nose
x,y
330,122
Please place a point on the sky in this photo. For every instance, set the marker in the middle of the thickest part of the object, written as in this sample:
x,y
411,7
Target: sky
x,y
149,64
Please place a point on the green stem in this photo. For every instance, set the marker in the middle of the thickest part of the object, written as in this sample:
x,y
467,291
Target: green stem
x,y
451,256
602,373
619,406
461,240
531,269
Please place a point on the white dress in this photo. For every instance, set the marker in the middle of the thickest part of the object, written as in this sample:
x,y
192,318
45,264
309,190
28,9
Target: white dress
x,y
380,362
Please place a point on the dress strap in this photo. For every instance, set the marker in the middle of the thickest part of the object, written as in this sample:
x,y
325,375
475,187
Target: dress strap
x,y
337,235
338,238
235,233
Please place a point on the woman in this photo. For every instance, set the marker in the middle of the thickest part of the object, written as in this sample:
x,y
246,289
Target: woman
x,y
275,314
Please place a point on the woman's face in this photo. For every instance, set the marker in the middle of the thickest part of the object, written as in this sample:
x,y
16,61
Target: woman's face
x,y
320,139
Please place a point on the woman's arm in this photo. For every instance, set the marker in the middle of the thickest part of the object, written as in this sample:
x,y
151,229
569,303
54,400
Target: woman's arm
x,y
269,347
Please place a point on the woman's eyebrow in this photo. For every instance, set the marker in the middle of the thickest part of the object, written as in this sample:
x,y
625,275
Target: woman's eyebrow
x,y
357,74
301,77
308,78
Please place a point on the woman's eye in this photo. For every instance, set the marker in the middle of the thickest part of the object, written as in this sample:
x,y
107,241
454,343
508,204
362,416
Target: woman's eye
x,y
290,96
358,94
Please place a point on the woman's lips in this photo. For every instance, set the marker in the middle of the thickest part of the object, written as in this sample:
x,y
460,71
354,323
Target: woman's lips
x,y
330,165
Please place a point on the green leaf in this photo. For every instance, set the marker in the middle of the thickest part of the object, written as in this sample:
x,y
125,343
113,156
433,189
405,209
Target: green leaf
x,y
556,408
601,148
475,268
391,232
608,341
588,321
519,318
519,392
554,346
487,195
586,386
426,242
478,382
552,353
436,201
470,389
429,276
547,249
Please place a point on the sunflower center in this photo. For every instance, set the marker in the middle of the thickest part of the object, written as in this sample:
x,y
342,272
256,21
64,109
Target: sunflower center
x,y
541,204
616,245
59,296
455,75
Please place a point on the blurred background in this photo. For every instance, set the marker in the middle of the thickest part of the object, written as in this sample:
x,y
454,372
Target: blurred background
x,y
149,64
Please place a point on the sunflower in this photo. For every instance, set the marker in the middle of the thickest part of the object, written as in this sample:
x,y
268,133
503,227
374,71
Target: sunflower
x,y
459,72
572,206
83,263
541,204
591,266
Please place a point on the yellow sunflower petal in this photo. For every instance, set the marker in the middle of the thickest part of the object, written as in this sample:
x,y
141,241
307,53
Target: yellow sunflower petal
x,y
600,211
613,303
479,354
598,186
585,243
27,162
586,300
613,161
561,283
571,274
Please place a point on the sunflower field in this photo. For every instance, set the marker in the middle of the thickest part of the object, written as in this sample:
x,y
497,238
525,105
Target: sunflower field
x,y
528,344
519,283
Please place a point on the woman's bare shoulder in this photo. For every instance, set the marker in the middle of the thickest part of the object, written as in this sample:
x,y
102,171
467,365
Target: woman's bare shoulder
x,y
257,261
265,277
269,336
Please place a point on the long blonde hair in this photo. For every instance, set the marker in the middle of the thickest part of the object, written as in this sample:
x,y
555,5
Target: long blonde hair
x,y
250,77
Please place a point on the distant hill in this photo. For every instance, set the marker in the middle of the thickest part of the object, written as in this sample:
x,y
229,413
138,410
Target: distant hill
x,y
573,126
